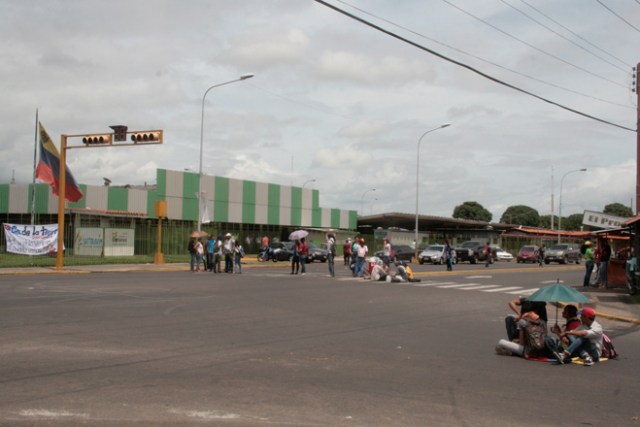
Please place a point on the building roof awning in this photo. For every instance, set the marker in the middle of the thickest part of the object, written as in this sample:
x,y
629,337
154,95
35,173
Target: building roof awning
x,y
107,212
544,232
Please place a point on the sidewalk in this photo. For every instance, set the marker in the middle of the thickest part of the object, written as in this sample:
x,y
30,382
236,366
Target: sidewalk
x,y
614,304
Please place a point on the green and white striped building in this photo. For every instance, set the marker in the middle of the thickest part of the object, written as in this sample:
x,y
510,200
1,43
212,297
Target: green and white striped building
x,y
228,200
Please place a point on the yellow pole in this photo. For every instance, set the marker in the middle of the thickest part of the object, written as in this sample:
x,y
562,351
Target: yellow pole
x,y
159,255
61,190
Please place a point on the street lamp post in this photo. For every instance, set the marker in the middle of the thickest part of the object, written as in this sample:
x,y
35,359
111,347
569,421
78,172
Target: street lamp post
x,y
418,181
362,200
200,192
308,181
560,200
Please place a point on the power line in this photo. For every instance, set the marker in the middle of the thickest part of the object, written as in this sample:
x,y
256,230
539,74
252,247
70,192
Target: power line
x,y
625,70
439,55
485,60
618,16
578,35
532,46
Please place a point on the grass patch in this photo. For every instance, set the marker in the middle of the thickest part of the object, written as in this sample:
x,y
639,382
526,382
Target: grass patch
x,y
22,261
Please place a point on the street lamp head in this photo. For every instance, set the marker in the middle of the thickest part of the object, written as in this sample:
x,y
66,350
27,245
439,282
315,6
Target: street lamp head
x,y
246,76
445,125
583,170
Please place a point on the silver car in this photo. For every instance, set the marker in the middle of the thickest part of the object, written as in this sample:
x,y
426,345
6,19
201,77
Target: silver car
x,y
435,255
562,253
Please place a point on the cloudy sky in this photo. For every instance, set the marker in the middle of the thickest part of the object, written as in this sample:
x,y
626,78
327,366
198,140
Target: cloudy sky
x,y
336,100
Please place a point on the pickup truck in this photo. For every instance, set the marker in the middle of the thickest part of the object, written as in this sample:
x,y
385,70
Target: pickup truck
x,y
471,251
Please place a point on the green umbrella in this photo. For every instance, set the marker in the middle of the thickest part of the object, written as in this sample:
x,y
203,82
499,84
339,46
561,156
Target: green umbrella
x,y
558,293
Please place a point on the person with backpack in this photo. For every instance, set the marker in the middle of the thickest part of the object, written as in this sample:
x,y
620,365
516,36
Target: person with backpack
x,y
531,339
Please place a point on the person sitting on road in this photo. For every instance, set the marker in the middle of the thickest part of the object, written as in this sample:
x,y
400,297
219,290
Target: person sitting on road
x,y
519,307
531,338
380,271
556,344
588,342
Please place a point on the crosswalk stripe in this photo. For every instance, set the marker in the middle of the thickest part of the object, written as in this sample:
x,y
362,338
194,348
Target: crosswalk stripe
x,y
508,288
524,292
458,285
474,288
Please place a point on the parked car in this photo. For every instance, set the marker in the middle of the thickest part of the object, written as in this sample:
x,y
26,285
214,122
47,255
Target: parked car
x,y
501,255
562,254
528,253
435,255
281,251
317,253
469,251
400,252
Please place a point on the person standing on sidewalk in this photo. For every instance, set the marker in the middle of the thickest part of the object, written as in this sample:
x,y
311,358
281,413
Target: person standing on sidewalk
x,y
191,247
210,248
346,252
589,263
605,256
303,253
199,255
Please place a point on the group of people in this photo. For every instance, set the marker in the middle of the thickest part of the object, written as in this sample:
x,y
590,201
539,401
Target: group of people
x,y
527,334
596,258
211,252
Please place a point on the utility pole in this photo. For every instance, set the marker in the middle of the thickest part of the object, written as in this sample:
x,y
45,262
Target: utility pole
x,y
636,245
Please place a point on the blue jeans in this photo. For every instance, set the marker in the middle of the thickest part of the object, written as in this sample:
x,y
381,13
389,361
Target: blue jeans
x,y
603,273
359,266
194,259
332,269
237,265
303,261
583,346
587,276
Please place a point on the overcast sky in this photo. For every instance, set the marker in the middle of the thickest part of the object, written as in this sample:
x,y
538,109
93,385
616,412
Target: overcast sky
x,y
335,100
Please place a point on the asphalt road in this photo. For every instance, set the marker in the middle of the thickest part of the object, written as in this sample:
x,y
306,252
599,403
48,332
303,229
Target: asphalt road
x,y
268,348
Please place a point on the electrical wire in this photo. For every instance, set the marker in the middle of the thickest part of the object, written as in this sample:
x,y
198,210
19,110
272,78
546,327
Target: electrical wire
x,y
487,61
576,34
532,46
472,69
618,16
562,36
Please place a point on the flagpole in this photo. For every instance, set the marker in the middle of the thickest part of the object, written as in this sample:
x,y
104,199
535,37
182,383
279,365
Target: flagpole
x,y
61,195
33,182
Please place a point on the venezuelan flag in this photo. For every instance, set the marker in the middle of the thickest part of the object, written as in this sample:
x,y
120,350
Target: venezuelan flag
x,y
48,169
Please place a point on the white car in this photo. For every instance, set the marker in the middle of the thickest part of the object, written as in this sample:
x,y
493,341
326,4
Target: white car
x,y
502,255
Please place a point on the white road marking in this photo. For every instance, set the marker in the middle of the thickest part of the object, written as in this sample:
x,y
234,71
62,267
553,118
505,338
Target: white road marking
x,y
458,285
473,288
524,292
508,288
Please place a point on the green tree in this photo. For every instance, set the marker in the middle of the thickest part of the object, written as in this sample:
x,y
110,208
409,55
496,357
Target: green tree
x,y
521,215
472,210
545,221
573,222
618,209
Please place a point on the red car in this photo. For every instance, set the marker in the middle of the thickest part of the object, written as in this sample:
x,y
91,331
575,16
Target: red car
x,y
528,253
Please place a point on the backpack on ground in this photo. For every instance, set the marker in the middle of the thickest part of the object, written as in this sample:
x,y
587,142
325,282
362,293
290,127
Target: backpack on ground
x,y
535,334
608,350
